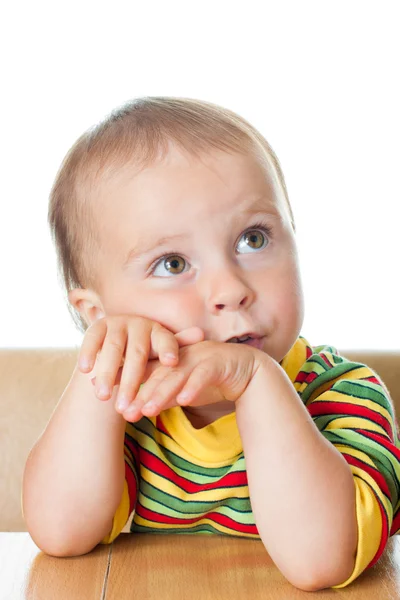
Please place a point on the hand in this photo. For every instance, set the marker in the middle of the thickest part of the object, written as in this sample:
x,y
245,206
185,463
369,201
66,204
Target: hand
x,y
125,344
207,372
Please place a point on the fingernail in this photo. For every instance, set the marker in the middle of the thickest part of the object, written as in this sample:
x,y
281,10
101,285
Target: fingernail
x,y
182,397
122,402
170,355
131,411
103,390
84,363
150,404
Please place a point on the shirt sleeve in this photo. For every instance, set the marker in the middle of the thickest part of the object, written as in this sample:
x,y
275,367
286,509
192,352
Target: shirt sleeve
x,y
352,408
131,486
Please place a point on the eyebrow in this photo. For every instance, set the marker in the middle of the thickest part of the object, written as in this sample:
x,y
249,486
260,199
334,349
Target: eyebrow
x,y
261,205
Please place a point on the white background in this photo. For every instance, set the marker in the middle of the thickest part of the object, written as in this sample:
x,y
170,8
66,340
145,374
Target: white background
x,y
320,79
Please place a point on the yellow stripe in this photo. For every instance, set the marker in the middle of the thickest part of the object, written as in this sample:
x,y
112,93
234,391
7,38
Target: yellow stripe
x,y
295,358
352,422
356,453
365,457
355,374
387,505
217,443
205,521
153,446
369,524
170,488
339,397
120,518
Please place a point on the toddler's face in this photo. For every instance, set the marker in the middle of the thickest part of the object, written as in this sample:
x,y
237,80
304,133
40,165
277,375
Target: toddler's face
x,y
231,267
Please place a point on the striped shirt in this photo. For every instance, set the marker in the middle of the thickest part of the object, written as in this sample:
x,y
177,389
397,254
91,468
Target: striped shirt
x,y
180,479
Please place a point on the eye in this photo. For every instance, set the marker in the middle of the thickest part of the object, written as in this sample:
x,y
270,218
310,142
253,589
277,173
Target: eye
x,y
173,264
256,238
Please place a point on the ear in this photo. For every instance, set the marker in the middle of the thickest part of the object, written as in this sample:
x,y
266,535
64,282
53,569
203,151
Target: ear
x,y
87,303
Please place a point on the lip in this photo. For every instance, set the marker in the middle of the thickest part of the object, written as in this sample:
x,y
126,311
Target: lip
x,y
255,342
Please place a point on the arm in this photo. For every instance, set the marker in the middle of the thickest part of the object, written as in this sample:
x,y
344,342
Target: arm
x,y
74,490
301,488
74,476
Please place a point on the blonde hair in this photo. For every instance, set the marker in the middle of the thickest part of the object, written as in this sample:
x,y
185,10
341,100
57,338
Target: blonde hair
x,y
137,133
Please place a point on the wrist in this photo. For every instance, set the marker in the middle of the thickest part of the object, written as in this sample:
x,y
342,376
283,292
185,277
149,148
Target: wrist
x,y
264,372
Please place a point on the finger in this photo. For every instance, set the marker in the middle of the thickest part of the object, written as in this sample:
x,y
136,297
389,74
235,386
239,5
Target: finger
x,y
203,375
165,345
92,342
159,392
110,359
135,361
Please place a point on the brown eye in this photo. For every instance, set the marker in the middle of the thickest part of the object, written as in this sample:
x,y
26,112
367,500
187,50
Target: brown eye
x,y
174,264
255,239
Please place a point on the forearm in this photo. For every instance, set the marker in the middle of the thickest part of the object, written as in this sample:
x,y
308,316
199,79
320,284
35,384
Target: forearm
x,y
301,488
74,475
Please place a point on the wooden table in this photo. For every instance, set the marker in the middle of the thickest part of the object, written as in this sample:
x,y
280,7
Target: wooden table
x,y
177,567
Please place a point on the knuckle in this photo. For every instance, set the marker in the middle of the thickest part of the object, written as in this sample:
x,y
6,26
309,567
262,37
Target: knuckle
x,y
204,367
106,373
116,344
138,354
128,383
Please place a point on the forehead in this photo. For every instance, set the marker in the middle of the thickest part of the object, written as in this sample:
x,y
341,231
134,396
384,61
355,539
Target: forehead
x,y
181,189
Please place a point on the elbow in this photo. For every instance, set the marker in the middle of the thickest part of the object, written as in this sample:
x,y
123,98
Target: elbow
x,y
63,546
64,539
317,581
55,539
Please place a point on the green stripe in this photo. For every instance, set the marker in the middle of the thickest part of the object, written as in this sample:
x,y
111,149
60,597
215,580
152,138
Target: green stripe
x,y
364,390
383,460
146,427
329,375
198,529
331,349
245,518
239,505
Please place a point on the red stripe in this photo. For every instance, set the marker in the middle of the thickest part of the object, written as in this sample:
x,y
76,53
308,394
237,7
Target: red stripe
x,y
372,471
160,425
132,447
132,488
372,379
129,474
326,407
155,517
384,536
380,439
303,377
325,359
395,523
154,464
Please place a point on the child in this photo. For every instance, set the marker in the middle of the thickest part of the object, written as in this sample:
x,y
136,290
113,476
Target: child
x,y
176,243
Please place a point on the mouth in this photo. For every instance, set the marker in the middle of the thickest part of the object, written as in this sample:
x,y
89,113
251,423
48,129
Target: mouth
x,y
251,339
239,340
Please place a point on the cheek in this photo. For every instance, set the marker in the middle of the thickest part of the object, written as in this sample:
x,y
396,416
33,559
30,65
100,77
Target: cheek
x,y
291,299
174,310
282,293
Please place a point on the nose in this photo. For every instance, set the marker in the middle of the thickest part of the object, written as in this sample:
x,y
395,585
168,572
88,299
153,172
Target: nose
x,y
226,290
